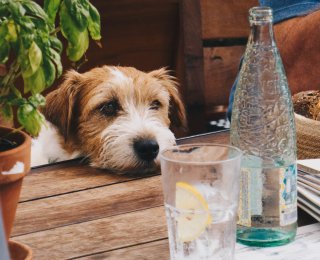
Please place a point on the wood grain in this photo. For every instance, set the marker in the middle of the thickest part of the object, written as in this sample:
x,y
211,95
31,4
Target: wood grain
x,y
221,66
193,81
63,178
98,236
225,19
73,210
218,137
158,250
138,33
87,205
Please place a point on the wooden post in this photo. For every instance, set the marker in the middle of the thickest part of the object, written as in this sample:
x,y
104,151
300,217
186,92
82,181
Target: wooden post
x,y
190,21
191,69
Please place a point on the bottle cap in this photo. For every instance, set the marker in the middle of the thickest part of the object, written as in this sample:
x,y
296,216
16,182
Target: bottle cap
x,y
260,15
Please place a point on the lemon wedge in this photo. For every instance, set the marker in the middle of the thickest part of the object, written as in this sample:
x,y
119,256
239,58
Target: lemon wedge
x,y
192,223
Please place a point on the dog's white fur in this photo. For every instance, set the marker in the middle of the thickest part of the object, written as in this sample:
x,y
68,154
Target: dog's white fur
x,y
76,126
46,148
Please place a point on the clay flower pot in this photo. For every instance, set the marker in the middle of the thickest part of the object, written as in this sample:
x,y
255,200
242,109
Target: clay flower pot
x,y
19,251
14,164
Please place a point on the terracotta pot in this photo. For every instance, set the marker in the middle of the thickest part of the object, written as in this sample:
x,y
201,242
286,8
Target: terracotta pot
x,y
19,251
14,164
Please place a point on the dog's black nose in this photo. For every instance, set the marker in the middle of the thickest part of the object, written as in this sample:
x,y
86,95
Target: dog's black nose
x,y
146,149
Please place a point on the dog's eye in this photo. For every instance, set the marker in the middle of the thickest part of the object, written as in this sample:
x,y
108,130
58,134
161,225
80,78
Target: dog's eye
x,y
111,108
155,105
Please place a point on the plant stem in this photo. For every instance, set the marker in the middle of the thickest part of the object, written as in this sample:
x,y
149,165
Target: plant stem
x,y
56,30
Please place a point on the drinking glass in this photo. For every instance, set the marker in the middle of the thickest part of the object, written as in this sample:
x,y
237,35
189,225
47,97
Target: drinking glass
x,y
201,194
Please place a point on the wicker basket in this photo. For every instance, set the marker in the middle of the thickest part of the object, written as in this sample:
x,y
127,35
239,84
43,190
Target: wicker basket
x,y
308,137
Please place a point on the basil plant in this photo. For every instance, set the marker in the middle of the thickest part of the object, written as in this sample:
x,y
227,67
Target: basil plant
x,y
30,49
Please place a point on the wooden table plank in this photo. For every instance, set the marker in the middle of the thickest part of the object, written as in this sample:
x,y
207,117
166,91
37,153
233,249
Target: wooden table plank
x,y
158,250
221,137
102,202
65,177
58,199
96,236
73,176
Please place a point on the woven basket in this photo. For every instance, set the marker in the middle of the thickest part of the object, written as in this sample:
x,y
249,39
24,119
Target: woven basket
x,y
308,137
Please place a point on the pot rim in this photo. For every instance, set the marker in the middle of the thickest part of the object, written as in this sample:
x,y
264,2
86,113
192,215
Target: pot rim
x,y
26,142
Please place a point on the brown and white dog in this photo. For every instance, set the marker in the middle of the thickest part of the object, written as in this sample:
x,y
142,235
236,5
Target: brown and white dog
x,y
117,117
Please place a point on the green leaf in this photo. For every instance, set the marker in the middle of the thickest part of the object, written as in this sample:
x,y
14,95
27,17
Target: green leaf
x,y
75,52
56,59
37,100
68,28
78,41
35,56
51,7
16,92
56,44
26,39
4,10
4,51
85,3
24,61
3,29
30,60
12,32
30,118
6,111
49,71
4,2
94,24
36,83
7,99
78,12
32,8
4,45
16,9
26,23
16,101
40,25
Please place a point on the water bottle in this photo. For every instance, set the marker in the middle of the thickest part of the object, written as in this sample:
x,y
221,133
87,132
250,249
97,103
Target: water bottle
x,y
263,127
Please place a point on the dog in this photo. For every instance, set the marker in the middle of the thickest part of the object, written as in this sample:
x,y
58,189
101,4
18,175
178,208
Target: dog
x,y
119,118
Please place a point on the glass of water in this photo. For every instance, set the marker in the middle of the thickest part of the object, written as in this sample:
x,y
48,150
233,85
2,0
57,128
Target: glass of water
x,y
201,194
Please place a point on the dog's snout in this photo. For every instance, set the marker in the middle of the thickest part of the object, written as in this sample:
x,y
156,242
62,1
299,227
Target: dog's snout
x,y
146,149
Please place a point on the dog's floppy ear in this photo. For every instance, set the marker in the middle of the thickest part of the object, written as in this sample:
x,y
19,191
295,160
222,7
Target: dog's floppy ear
x,y
60,106
177,113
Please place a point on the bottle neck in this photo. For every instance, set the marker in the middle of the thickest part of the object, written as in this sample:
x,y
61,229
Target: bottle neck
x,y
262,34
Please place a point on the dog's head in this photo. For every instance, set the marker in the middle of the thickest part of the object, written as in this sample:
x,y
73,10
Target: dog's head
x,y
118,117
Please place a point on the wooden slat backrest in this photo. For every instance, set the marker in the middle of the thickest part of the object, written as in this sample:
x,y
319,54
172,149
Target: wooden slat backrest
x,y
225,18
219,41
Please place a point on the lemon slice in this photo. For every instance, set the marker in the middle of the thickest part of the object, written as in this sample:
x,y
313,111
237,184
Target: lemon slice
x,y
192,223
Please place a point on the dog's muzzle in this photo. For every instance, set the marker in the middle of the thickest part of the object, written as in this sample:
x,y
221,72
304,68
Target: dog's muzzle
x,y
146,149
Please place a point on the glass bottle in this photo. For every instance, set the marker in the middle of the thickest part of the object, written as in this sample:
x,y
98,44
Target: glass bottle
x,y
263,127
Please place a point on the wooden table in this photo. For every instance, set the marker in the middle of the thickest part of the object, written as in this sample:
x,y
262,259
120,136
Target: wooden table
x,y
70,210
